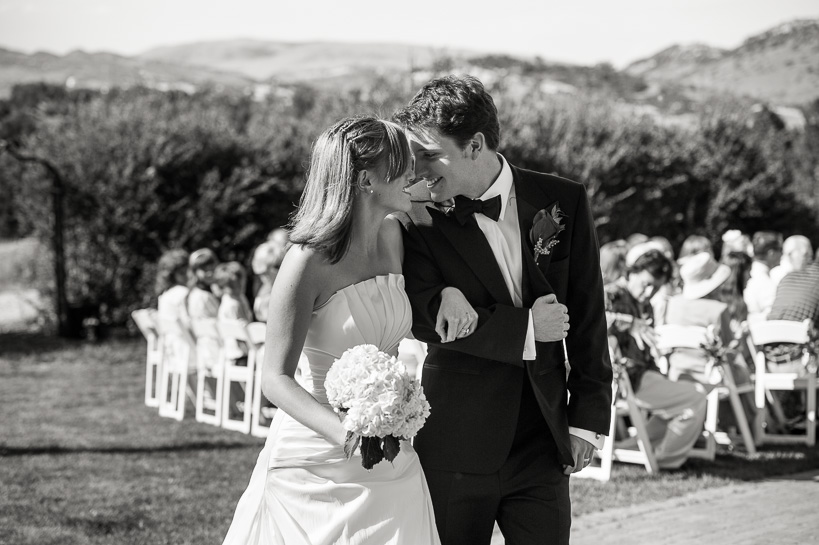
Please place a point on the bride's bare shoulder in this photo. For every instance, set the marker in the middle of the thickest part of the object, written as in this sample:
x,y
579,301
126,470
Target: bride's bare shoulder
x,y
391,230
392,237
305,265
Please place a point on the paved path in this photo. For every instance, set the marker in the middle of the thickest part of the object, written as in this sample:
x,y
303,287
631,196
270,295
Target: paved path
x,y
783,511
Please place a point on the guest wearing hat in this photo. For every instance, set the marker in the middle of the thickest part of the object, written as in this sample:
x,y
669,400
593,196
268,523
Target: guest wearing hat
x,y
699,304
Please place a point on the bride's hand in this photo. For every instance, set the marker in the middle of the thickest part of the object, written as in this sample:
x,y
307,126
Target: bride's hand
x,y
456,317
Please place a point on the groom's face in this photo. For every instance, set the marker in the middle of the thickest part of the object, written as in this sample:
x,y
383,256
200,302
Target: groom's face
x,y
445,167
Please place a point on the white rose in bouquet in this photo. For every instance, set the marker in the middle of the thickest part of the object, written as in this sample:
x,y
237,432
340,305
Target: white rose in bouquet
x,y
381,402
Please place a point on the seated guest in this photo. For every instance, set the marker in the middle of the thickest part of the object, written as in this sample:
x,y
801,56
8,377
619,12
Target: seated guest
x,y
760,290
171,286
732,289
266,261
677,408
232,281
692,245
797,299
797,253
665,244
734,240
699,304
660,298
201,302
613,260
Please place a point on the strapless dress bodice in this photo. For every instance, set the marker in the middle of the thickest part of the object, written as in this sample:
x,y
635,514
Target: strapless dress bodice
x,y
374,311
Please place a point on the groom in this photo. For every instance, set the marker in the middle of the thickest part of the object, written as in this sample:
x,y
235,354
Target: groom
x,y
507,427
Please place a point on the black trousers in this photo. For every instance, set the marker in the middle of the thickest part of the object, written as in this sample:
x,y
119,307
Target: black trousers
x,y
528,496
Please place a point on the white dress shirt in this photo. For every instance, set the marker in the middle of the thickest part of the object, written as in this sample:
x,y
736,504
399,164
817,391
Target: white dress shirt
x,y
504,239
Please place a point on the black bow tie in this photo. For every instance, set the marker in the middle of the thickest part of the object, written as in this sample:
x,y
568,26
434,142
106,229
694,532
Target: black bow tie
x,y
465,207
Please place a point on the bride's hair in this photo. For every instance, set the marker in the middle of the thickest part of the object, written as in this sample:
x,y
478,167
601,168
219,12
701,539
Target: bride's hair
x,y
324,218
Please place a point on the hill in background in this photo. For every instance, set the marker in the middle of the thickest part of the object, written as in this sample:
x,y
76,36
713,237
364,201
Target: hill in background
x,y
104,70
780,66
299,62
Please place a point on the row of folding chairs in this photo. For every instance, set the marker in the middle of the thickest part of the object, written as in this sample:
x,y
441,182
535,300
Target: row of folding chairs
x,y
764,382
189,363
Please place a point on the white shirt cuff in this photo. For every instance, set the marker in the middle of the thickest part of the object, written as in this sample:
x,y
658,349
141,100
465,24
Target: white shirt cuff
x,y
596,439
529,348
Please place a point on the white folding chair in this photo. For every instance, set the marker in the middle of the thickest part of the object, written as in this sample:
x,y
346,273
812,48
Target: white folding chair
x,y
774,332
237,388
624,404
263,409
671,337
178,361
210,371
145,320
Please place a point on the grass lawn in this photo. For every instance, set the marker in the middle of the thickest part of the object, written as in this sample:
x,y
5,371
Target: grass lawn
x,y
82,460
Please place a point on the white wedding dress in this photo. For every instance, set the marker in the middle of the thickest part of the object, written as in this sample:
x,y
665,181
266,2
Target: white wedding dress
x,y
303,489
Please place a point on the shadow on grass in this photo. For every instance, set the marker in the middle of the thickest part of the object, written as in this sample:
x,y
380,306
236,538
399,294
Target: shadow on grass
x,y
769,460
6,452
98,524
25,343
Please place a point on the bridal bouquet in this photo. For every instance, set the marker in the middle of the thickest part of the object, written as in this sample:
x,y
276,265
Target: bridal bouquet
x,y
382,404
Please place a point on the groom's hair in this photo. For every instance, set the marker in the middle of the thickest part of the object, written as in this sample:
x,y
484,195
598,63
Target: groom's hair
x,y
456,106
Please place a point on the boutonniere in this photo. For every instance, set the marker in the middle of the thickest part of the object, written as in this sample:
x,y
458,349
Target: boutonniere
x,y
545,228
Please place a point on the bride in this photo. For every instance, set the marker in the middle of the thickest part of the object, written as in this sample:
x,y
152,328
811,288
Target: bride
x,y
339,286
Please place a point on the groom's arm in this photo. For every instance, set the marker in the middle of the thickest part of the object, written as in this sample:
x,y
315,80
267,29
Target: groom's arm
x,y
590,379
424,282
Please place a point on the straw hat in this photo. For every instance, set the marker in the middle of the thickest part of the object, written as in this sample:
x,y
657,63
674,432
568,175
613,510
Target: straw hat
x,y
701,274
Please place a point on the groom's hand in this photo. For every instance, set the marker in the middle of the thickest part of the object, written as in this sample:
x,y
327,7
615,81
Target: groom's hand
x,y
582,452
551,319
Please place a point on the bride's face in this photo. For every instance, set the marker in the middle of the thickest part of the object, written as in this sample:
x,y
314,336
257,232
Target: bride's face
x,y
393,195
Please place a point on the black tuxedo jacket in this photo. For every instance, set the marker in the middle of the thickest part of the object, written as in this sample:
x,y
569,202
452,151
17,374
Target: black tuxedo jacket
x,y
475,385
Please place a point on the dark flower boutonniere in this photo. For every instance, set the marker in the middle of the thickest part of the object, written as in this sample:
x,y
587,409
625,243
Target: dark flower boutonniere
x,y
545,228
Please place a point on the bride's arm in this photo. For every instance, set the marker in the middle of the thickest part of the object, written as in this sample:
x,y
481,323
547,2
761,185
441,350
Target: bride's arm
x,y
456,317
292,299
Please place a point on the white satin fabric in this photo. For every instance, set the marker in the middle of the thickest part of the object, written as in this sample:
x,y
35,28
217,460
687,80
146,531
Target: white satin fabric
x,y
303,491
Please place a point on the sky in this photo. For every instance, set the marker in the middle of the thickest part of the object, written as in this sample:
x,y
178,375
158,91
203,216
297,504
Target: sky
x,y
574,31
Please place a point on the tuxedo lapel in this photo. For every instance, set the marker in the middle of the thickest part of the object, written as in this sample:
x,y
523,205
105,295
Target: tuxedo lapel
x,y
471,244
534,282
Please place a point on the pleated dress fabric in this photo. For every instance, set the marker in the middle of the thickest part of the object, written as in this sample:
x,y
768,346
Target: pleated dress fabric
x,y
303,490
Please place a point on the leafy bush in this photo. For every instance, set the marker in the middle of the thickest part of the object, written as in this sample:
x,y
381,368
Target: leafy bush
x,y
148,171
